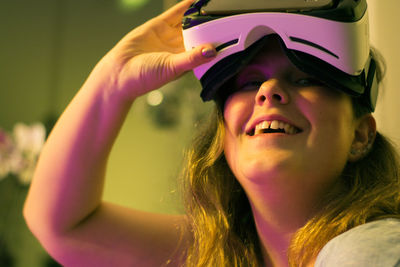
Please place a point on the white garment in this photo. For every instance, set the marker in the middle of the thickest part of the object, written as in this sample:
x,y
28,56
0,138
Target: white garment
x,y
374,244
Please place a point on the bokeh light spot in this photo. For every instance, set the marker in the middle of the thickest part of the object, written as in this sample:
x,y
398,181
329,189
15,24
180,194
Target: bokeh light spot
x,y
155,98
129,5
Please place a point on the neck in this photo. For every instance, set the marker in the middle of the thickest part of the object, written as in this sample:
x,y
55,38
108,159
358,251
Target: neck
x,y
281,205
277,218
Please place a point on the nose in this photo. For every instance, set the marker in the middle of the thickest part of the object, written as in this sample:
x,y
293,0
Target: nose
x,y
272,92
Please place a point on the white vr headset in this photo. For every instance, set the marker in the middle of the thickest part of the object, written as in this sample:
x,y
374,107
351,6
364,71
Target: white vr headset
x,y
329,40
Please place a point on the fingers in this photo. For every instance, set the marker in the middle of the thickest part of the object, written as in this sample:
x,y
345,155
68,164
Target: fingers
x,y
191,59
174,15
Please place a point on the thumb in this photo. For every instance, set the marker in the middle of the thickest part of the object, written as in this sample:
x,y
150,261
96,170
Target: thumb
x,y
193,58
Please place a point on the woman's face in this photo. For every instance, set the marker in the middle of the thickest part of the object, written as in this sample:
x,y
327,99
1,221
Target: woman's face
x,y
283,128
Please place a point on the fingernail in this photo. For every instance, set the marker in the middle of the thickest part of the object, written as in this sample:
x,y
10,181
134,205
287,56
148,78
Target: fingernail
x,y
208,52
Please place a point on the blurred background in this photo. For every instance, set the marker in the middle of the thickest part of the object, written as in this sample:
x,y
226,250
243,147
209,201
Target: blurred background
x,y
48,48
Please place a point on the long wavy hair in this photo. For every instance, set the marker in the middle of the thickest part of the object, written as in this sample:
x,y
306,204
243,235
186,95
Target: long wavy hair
x,y
220,217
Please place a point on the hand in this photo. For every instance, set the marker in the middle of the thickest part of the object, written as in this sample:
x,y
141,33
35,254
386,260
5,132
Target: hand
x,y
153,54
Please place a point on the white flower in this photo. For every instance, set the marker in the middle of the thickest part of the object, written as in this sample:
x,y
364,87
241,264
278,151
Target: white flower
x,y
29,138
19,153
6,149
25,175
16,162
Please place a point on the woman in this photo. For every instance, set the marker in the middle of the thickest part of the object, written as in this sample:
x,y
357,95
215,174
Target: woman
x,y
254,193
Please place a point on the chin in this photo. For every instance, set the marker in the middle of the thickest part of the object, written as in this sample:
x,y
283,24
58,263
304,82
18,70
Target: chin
x,y
266,170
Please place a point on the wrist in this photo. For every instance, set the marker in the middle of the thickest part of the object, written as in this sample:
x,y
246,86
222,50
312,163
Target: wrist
x,y
104,82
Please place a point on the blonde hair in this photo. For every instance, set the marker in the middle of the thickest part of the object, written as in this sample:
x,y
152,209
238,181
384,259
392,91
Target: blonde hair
x,y
219,212
217,207
371,191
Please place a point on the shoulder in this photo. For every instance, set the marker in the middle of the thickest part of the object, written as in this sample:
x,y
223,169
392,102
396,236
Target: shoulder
x,y
372,244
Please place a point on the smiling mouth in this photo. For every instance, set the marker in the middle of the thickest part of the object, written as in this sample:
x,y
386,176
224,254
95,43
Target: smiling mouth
x,y
270,127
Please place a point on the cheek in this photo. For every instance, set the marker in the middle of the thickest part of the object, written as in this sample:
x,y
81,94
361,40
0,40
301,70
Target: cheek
x,y
237,111
326,109
331,131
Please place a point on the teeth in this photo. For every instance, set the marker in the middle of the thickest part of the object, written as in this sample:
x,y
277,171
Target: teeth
x,y
261,126
275,125
288,129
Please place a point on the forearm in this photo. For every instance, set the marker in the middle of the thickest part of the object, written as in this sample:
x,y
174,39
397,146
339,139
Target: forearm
x,y
69,178
63,207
